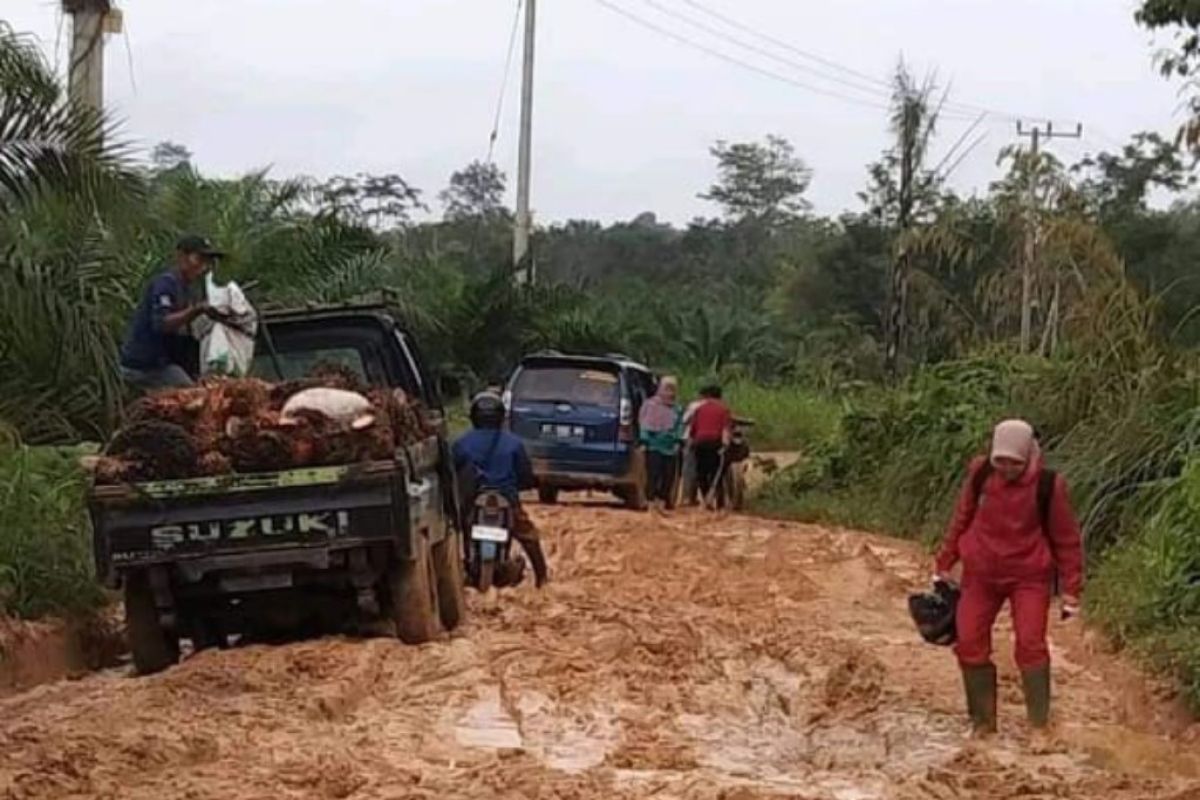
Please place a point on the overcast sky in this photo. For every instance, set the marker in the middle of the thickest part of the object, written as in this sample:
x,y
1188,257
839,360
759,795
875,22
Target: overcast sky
x,y
623,115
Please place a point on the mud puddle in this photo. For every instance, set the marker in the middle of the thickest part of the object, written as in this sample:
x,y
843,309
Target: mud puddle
x,y
678,656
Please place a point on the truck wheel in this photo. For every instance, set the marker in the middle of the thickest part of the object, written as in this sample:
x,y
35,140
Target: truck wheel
x,y
154,649
547,495
414,595
634,494
448,565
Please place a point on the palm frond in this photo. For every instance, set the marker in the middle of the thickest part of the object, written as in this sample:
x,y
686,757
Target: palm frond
x,y
48,142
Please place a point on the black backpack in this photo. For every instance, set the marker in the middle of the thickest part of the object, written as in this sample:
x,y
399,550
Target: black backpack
x,y
1045,491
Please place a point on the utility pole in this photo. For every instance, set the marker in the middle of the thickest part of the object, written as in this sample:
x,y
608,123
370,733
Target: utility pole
x,y
90,20
522,261
1035,133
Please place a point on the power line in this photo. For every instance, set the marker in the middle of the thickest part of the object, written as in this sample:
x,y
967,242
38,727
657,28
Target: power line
x,y
829,63
877,90
679,38
958,142
962,157
129,58
512,45
786,45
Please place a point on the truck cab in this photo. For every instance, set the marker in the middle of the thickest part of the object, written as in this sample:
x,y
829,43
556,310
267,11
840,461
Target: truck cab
x,y
578,417
215,557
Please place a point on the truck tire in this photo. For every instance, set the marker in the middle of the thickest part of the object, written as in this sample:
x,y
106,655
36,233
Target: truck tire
x,y
547,495
154,649
634,493
448,566
413,595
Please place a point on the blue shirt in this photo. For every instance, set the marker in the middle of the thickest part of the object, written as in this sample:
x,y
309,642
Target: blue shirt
x,y
146,341
499,459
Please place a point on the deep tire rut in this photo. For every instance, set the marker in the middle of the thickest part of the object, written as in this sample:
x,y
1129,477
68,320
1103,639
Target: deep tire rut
x,y
686,656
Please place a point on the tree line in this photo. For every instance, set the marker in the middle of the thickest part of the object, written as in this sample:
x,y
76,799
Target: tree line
x,y
764,288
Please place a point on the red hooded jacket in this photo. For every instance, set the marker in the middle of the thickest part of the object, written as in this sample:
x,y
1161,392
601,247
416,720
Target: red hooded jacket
x,y
1000,537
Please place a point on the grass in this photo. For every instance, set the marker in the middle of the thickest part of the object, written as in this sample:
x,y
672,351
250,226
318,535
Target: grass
x,y
45,539
1146,591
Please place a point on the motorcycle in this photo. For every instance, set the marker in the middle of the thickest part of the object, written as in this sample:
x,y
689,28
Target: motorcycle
x,y
489,561
737,454
731,477
729,489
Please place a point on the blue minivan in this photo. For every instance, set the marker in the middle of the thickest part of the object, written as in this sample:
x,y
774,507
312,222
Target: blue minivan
x,y
578,417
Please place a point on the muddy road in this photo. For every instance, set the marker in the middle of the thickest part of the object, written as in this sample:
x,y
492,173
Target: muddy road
x,y
686,656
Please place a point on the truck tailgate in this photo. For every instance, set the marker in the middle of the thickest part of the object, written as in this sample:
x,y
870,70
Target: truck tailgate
x,y
172,520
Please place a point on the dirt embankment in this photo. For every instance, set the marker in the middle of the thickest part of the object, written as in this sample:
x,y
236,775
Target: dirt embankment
x,y
687,656
33,653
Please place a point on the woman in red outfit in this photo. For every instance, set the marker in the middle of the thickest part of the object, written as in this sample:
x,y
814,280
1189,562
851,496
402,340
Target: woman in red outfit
x,y
1009,554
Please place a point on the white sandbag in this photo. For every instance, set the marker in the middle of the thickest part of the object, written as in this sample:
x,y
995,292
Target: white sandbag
x,y
337,404
227,347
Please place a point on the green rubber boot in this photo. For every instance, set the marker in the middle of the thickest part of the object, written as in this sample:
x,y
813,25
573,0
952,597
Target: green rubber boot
x,y
1036,683
980,684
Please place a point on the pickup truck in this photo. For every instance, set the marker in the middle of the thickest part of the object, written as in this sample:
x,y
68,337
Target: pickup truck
x,y
212,558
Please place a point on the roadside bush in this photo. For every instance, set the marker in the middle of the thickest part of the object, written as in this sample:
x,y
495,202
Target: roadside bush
x,y
45,540
1146,591
896,457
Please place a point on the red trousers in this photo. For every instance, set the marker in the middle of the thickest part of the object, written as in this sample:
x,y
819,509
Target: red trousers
x,y
978,607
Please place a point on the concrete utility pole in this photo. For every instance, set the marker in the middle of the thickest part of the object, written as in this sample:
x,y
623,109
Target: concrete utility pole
x,y
524,222
1036,133
90,20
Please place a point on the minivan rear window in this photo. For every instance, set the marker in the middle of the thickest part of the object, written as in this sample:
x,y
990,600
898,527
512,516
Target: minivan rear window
x,y
565,384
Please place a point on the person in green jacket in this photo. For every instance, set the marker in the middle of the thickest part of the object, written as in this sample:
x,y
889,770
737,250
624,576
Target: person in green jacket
x,y
660,426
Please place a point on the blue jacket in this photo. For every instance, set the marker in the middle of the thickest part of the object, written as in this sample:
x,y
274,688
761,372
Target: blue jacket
x,y
499,461
145,344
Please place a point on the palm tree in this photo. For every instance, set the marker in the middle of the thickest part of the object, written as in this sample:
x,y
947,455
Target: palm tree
x,y
902,184
64,273
47,141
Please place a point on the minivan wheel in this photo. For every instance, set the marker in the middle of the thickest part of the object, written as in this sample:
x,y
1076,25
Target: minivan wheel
x,y
548,495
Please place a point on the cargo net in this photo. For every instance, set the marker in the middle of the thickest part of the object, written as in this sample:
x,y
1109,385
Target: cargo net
x,y
245,425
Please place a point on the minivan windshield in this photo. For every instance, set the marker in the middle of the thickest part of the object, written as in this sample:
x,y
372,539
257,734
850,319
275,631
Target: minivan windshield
x,y
567,384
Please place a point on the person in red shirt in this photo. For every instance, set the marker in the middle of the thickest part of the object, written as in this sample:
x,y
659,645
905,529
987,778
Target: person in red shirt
x,y
1012,541
709,430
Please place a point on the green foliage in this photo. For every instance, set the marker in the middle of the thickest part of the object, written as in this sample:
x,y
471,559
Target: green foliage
x,y
476,192
45,542
1146,591
1183,18
906,449
786,417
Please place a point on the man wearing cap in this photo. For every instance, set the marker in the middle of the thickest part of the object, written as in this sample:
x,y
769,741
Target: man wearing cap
x,y
164,313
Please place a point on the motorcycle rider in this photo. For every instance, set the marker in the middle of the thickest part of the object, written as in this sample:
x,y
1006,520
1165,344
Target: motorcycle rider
x,y
489,457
